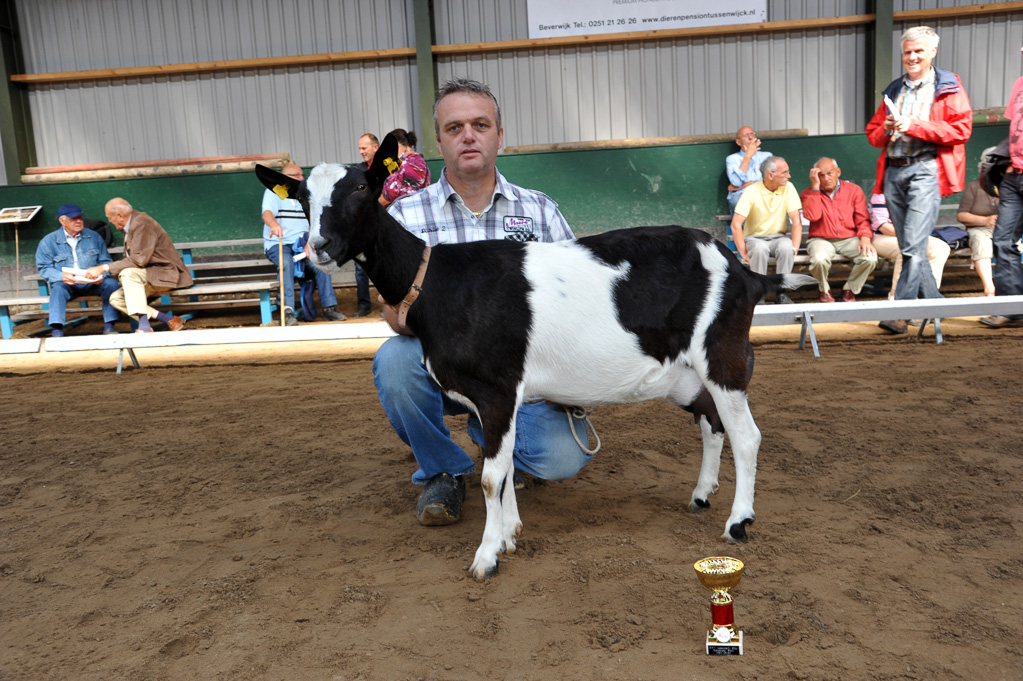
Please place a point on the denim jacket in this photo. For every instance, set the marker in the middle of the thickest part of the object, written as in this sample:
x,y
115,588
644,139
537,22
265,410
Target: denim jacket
x,y
54,252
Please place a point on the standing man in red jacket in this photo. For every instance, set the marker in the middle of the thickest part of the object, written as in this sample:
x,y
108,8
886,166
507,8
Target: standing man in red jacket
x,y
922,127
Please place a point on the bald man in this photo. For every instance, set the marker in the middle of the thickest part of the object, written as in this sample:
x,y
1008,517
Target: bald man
x,y
743,167
151,266
284,219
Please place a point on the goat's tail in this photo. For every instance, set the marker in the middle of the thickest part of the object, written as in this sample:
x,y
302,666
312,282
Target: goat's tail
x,y
779,282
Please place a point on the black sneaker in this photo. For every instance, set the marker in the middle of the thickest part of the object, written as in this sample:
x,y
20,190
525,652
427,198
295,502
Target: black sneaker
x,y
441,500
782,299
332,315
363,311
289,318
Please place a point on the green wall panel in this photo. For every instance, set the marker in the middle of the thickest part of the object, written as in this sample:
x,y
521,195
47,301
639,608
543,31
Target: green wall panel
x,y
597,190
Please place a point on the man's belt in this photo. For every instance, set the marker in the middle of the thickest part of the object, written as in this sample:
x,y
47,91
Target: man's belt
x,y
907,161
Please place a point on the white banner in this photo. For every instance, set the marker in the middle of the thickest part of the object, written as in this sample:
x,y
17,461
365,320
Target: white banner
x,y
561,18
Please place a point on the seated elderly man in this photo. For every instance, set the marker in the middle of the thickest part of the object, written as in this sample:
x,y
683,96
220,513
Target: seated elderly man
x,y
839,225
70,247
743,167
151,265
761,221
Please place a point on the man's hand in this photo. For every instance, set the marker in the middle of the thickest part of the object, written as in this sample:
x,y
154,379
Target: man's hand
x,y
95,272
888,229
68,278
889,124
751,148
276,230
866,247
990,220
815,178
902,124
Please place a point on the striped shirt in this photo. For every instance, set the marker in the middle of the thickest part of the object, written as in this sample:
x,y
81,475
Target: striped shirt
x,y
915,101
437,215
288,213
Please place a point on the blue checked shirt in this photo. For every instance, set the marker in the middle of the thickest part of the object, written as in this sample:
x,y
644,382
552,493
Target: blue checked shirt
x,y
915,100
437,215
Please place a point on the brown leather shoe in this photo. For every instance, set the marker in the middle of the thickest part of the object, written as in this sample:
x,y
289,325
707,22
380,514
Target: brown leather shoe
x,y
848,296
826,297
176,324
895,326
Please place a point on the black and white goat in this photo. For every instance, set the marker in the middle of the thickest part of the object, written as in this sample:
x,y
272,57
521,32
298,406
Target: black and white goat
x,y
615,318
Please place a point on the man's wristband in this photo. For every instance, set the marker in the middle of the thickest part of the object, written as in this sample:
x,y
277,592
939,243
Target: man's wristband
x,y
106,267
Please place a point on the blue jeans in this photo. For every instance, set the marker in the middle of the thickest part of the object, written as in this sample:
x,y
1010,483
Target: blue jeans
x,y
416,406
61,293
1008,271
361,287
914,201
323,284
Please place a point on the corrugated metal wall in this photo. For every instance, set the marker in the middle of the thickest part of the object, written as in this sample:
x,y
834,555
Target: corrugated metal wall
x,y
813,79
314,113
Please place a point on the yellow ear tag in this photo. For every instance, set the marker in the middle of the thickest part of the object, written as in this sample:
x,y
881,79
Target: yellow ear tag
x,y
281,191
390,165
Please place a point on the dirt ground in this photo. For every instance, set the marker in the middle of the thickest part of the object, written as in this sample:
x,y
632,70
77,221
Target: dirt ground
x,y
247,514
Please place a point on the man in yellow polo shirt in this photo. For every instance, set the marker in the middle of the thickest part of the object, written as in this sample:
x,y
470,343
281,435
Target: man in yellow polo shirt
x,y
761,221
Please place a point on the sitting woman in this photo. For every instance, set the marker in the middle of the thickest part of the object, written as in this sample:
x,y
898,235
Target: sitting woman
x,y
978,211
413,173
887,246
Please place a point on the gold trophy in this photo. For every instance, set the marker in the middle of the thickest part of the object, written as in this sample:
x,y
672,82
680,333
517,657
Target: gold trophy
x,y
720,574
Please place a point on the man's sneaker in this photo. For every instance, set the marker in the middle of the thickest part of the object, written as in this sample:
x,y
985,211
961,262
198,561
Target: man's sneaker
x,y
289,318
441,500
332,315
362,311
1002,322
782,299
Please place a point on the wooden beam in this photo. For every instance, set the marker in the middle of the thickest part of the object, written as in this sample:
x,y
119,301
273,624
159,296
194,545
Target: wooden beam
x,y
967,12
213,66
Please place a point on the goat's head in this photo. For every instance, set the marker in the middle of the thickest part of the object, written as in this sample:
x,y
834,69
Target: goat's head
x,y
340,202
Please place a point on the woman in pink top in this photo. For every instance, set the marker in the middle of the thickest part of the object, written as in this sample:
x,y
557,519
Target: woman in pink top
x,y
413,173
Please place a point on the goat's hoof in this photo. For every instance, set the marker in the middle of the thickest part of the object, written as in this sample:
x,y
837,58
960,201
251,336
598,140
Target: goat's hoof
x,y
697,505
486,573
737,532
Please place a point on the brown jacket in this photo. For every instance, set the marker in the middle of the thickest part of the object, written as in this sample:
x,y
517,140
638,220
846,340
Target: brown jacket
x,y
147,245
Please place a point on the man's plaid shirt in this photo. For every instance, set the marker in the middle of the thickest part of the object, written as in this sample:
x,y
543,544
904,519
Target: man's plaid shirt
x,y
437,215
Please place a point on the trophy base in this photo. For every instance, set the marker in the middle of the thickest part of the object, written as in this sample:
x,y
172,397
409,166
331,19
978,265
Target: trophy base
x,y
732,647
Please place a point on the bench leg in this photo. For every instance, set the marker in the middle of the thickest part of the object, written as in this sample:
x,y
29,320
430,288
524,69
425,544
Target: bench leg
x,y
120,359
808,328
6,325
937,330
266,310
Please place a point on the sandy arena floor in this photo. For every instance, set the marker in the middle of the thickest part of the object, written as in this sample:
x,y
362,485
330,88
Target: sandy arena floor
x,y
245,513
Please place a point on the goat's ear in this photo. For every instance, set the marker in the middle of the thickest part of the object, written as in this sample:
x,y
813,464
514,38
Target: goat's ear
x,y
281,185
385,162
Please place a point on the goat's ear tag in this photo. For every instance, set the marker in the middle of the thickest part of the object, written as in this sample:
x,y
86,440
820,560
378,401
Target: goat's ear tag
x,y
390,164
281,191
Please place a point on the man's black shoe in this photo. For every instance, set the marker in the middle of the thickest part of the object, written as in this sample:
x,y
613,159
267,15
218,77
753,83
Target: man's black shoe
x,y
332,315
441,501
362,311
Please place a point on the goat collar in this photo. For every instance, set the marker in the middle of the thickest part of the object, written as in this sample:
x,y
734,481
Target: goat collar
x,y
414,290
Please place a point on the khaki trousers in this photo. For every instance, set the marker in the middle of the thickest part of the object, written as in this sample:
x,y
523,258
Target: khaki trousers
x,y
133,297
822,251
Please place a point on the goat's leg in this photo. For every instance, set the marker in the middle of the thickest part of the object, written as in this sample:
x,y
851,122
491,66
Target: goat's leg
x,y
498,489
713,443
744,437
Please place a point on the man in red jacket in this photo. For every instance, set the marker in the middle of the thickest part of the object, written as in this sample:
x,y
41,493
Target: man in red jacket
x,y
922,127
839,225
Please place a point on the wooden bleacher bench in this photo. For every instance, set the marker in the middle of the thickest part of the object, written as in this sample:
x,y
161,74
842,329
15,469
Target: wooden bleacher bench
x,y
176,301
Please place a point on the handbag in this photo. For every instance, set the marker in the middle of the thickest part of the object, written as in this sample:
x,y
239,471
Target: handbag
x,y
955,237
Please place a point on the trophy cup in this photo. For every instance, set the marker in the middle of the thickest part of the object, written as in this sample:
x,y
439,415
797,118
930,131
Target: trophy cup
x,y
720,574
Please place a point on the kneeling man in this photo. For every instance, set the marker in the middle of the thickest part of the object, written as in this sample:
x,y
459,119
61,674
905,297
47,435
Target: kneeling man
x,y
839,225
